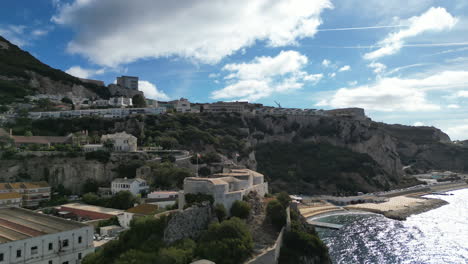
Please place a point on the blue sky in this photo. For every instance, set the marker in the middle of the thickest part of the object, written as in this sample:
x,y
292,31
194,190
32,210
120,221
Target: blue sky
x,y
403,61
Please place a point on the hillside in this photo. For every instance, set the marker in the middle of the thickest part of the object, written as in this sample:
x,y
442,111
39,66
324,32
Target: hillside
x,y
22,74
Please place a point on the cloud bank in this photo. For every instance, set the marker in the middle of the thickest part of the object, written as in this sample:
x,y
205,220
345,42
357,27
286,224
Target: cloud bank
x,y
112,32
264,76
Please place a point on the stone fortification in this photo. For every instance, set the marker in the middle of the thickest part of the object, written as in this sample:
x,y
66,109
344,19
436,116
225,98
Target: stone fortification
x,y
188,223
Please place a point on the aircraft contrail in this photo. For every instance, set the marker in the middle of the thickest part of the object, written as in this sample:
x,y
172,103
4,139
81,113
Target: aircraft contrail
x,y
360,28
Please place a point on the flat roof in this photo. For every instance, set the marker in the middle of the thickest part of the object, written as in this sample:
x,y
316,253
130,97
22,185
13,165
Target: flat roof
x,y
144,209
10,195
92,208
18,224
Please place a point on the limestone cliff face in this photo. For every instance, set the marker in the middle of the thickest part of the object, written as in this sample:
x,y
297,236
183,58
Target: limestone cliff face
x,y
425,148
362,136
70,172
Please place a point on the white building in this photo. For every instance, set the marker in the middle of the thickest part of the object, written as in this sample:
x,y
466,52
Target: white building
x,y
33,238
106,113
141,210
120,101
135,186
11,199
129,82
226,188
162,198
182,105
122,141
32,193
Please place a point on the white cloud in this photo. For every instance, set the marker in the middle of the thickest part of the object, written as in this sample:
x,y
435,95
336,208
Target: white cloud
x,y
453,106
418,124
213,75
345,68
458,132
151,91
14,34
463,94
80,72
39,32
396,94
332,75
264,76
377,67
352,83
326,63
434,19
202,30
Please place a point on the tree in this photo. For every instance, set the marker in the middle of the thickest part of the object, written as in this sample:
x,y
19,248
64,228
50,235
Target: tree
x,y
44,104
139,100
220,212
276,214
240,209
90,186
284,199
67,100
122,200
92,199
167,142
108,144
229,242
28,134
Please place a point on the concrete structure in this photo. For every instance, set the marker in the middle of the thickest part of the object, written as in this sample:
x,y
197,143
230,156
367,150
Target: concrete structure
x,y
128,82
162,198
32,193
10,199
135,212
104,113
135,186
90,212
110,231
33,238
41,140
121,141
120,101
227,107
228,187
182,105
151,103
355,113
92,147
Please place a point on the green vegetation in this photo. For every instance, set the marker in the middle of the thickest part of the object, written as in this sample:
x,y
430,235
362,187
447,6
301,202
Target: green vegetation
x,y
138,100
15,63
284,199
240,209
229,242
108,222
220,212
99,155
167,176
210,157
302,242
90,186
276,214
129,169
199,198
122,200
308,167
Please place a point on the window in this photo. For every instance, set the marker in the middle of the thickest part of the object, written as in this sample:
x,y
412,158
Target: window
x,y
66,262
51,246
65,243
79,255
18,253
80,240
34,250
1,257
51,262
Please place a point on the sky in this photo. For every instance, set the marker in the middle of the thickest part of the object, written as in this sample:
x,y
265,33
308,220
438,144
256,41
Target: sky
x,y
405,61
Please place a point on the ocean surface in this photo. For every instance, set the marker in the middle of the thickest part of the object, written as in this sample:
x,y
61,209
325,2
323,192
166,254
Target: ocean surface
x,y
439,236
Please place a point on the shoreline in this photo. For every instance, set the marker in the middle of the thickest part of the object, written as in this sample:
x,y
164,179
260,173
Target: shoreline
x,y
398,207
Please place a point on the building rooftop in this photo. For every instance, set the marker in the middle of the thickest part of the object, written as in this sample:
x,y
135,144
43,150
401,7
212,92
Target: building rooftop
x,y
215,181
40,140
23,185
10,195
165,192
92,208
144,209
126,180
18,224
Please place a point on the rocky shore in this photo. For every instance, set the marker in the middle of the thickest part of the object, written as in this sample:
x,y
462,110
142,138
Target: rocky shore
x,y
403,213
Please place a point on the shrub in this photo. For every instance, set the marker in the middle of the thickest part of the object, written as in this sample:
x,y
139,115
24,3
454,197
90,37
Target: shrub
x,y
204,171
240,209
100,155
198,198
284,199
276,214
220,212
229,242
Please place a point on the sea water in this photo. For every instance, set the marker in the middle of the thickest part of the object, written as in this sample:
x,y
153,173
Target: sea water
x,y
439,236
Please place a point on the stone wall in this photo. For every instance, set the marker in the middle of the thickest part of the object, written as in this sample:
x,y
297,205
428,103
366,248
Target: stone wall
x,y
188,223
